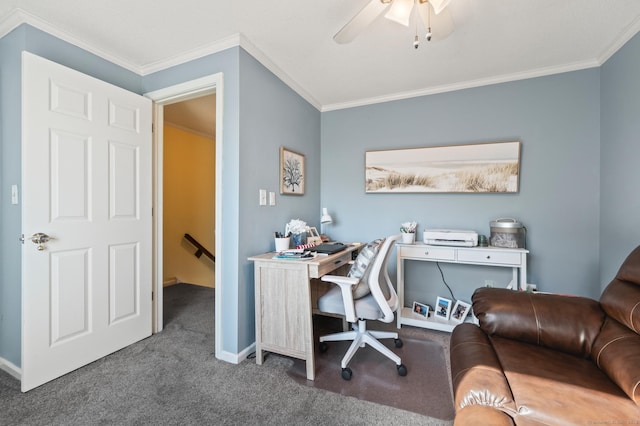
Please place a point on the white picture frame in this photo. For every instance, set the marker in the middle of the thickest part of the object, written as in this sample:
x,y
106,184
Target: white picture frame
x,y
313,237
442,309
460,311
421,309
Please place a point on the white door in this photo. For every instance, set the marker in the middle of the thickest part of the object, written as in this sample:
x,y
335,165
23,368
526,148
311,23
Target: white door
x,y
86,179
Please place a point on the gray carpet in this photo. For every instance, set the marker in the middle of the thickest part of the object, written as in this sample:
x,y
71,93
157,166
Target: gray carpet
x,y
173,378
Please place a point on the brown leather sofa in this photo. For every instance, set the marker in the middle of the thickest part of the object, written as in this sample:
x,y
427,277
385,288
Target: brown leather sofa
x,y
551,359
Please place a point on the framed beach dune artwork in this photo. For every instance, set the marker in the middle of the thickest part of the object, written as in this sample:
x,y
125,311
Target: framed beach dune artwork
x,y
485,167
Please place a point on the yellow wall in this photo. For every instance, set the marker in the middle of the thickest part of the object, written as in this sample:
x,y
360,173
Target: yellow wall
x,y
189,206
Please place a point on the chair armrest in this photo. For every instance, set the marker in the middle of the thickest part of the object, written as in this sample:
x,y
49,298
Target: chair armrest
x,y
566,323
341,280
346,285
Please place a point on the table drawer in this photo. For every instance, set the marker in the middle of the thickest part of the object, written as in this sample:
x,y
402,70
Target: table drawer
x,y
490,257
336,263
428,252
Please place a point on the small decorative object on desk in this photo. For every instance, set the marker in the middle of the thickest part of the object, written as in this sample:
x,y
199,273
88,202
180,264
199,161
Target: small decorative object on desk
x,y
408,230
298,230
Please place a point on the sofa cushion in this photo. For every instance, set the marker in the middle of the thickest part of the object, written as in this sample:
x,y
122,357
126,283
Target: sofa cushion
x,y
621,299
568,324
617,352
556,388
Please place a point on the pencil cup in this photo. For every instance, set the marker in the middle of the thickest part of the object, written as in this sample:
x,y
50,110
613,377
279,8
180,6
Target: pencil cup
x,y
282,244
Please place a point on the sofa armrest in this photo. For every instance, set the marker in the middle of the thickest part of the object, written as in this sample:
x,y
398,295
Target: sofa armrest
x,y
565,323
474,415
476,373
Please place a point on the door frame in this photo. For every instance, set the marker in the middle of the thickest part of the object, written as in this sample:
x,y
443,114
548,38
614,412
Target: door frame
x,y
181,92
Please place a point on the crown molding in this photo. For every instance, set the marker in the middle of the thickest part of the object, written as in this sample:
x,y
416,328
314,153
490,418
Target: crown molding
x,y
617,44
18,17
200,52
541,72
279,72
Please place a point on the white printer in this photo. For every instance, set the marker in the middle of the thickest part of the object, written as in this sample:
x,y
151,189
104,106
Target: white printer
x,y
450,237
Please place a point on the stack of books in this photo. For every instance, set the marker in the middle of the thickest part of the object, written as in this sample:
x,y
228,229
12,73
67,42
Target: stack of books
x,y
294,254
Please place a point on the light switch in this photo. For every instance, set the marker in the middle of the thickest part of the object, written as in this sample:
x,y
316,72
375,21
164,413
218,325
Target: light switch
x,y
14,194
263,197
272,198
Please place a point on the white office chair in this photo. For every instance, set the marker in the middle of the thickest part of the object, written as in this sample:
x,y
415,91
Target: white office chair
x,y
380,304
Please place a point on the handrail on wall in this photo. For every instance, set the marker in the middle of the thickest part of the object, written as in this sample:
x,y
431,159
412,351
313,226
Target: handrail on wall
x,y
201,250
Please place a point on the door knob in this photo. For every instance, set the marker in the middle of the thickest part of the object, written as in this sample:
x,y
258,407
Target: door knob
x,y
39,239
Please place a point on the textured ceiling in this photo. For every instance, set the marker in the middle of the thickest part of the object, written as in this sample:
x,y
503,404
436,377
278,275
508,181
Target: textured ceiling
x,y
493,40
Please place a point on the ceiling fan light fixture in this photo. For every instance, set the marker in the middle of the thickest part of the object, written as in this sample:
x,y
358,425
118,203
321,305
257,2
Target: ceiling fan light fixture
x,y
400,11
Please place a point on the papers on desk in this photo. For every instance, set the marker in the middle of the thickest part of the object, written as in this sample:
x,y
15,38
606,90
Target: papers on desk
x,y
294,254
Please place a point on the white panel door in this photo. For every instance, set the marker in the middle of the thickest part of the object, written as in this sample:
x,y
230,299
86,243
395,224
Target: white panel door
x,y
86,179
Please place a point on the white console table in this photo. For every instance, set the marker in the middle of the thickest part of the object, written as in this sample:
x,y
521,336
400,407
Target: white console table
x,y
484,256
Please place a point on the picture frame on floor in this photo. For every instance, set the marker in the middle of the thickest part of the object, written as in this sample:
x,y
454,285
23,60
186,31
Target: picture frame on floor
x,y
442,309
421,309
460,311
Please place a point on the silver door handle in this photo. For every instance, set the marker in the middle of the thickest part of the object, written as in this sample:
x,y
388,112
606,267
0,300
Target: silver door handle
x,y
39,239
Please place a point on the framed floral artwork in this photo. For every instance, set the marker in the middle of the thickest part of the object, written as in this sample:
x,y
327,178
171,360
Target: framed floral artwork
x,y
291,172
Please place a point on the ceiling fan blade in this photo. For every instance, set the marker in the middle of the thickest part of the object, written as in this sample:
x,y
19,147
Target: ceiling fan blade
x,y
359,22
441,24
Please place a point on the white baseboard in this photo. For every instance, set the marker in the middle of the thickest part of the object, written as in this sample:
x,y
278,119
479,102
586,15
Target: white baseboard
x,y
236,358
170,281
10,368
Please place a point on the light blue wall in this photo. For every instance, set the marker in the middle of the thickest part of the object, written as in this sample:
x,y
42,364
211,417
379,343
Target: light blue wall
x,y
620,155
272,115
10,225
557,120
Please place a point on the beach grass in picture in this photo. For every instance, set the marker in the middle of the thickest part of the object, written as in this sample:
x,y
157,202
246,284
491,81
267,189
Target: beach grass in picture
x,y
486,167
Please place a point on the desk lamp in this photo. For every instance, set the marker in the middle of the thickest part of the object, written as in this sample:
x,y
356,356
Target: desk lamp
x,y
325,219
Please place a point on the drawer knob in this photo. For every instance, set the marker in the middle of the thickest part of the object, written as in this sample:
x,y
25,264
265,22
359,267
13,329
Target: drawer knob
x,y
426,253
488,256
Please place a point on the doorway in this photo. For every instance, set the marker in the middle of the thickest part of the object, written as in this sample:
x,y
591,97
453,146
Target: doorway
x,y
189,192
210,85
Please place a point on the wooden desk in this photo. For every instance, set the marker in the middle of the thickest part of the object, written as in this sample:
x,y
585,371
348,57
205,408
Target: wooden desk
x,y
284,303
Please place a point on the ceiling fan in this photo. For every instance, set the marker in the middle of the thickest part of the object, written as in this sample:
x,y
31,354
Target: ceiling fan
x,y
400,11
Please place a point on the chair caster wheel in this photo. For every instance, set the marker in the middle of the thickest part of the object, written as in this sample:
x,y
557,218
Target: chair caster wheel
x,y
398,343
347,373
323,347
402,370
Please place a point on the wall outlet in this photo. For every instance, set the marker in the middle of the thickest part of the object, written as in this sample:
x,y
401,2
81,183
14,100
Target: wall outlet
x,y
489,283
263,197
532,287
